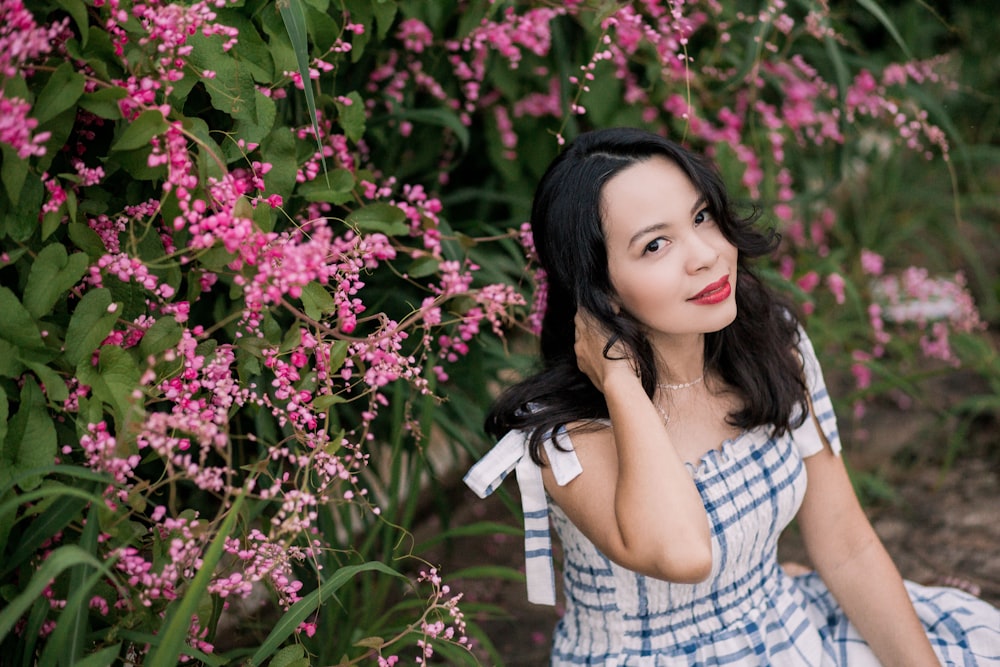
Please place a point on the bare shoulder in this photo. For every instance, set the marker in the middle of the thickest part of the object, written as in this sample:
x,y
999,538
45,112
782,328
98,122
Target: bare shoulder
x,y
588,499
591,441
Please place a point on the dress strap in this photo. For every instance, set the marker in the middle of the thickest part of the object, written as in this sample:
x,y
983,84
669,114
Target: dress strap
x,y
511,453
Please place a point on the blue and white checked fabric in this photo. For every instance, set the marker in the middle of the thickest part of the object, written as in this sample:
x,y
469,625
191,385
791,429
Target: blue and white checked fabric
x,y
748,612
511,453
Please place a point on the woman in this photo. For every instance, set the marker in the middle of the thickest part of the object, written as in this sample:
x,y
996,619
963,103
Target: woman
x,y
688,411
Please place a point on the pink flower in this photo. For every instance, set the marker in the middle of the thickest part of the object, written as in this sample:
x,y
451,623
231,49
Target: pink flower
x,y
836,284
415,35
860,370
871,262
808,282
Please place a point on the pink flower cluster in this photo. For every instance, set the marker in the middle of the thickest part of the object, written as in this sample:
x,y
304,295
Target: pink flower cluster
x,y
936,305
16,128
449,626
22,40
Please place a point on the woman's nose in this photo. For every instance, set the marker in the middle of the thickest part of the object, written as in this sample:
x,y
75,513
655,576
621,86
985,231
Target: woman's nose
x,y
702,254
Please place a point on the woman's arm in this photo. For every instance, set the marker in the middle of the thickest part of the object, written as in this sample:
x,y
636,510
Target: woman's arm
x,y
855,566
635,499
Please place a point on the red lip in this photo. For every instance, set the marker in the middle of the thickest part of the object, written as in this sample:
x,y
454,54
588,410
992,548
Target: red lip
x,y
714,293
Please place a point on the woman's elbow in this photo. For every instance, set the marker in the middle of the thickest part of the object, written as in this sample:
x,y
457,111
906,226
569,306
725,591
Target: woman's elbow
x,y
691,564
694,568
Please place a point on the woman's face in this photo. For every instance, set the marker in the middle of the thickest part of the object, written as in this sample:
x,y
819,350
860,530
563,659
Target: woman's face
x,y
670,264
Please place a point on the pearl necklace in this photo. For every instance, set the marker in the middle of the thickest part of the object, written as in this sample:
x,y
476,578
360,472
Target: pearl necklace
x,y
683,385
664,415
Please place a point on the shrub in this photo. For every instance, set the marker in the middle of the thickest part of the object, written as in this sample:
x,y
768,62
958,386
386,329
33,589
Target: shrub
x,y
256,257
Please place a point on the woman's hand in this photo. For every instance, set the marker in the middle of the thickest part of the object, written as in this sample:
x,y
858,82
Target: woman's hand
x,y
591,338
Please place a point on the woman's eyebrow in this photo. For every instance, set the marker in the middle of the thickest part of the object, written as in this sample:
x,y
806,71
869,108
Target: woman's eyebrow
x,y
655,227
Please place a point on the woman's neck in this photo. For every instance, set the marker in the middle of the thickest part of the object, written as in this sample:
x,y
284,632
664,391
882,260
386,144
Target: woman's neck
x,y
680,360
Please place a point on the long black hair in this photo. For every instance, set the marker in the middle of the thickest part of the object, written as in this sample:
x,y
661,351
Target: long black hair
x,y
754,355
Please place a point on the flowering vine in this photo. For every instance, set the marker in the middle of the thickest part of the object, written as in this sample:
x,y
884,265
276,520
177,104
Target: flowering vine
x,y
226,307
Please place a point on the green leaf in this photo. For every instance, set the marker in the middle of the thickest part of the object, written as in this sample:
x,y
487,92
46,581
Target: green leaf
x,y
316,301
137,134
423,267
13,172
178,619
302,609
338,353
4,413
113,381
385,14
371,642
326,401
86,239
361,12
31,437
78,12
160,337
55,385
440,117
336,188
12,256
17,325
21,221
104,102
288,655
352,117
50,221
91,323
379,217
251,51
59,560
216,258
52,274
279,149
63,89
232,89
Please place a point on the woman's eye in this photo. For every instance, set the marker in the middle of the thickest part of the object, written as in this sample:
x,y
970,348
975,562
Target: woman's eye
x,y
703,215
655,245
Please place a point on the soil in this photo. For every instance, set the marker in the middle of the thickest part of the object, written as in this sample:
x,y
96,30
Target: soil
x,y
936,520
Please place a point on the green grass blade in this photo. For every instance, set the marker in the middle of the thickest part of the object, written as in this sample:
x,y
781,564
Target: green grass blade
x,y
875,10
175,629
66,643
76,472
294,17
103,658
51,521
57,562
207,659
301,610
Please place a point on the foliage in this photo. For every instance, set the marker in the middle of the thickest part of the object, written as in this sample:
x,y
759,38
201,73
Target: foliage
x,y
259,257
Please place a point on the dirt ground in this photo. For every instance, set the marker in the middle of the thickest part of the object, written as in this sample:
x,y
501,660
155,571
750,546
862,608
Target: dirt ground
x,y
938,523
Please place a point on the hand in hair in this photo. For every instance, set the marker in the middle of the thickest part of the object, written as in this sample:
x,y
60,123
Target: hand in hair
x,y
593,356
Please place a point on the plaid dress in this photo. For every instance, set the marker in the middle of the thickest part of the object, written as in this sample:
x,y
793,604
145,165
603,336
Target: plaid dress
x,y
748,611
